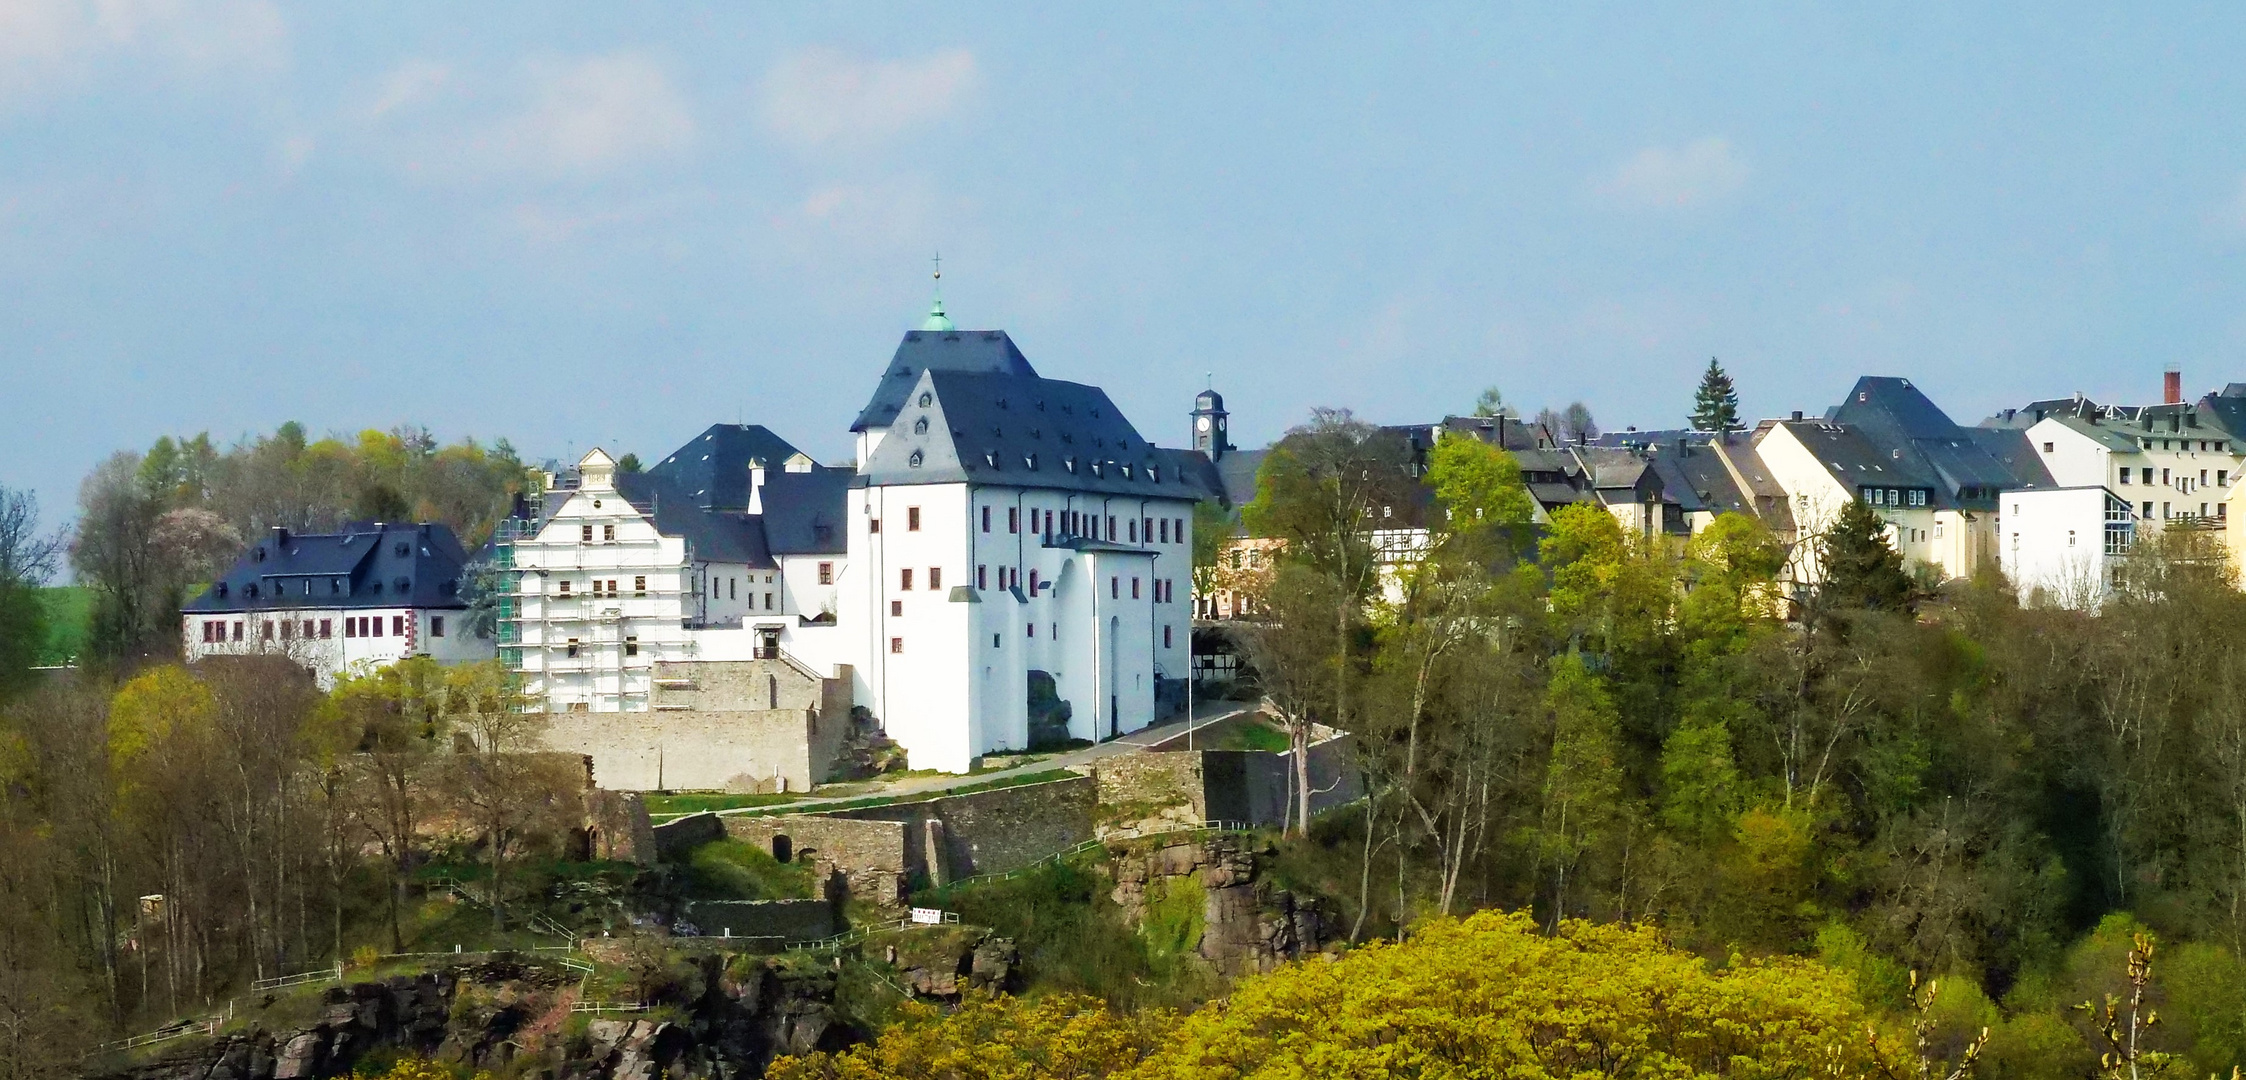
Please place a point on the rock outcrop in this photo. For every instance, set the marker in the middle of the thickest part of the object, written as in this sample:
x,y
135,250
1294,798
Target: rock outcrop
x,y
1248,923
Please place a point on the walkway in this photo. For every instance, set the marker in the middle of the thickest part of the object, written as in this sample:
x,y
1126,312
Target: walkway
x,y
1204,714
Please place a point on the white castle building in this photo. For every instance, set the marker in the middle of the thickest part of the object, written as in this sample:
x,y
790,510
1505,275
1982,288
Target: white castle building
x,y
1007,547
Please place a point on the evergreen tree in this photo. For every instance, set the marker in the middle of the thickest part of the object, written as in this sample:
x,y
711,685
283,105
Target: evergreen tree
x,y
1715,406
1861,569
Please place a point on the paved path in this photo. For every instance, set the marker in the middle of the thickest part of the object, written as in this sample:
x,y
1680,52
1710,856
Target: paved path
x,y
1204,714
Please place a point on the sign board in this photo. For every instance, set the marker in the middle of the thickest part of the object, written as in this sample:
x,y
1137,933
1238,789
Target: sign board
x,y
928,916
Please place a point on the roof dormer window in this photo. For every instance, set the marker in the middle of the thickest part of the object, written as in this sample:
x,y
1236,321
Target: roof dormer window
x,y
920,426
914,460
926,399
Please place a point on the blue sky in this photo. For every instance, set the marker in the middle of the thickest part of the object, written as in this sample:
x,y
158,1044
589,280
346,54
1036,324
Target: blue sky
x,y
575,224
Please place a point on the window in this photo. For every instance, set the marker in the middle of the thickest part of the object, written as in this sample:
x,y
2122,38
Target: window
x,y
896,644
397,626
2203,477
1164,530
982,575
1165,637
1177,529
1110,527
935,577
572,647
986,519
2070,537
1033,583
1030,630
612,588
994,641
768,606
1134,530
2147,515
2222,477
1937,530
563,589
436,626
873,525
904,579
350,628
375,624
2046,448
896,608
288,629
826,573
631,645
237,630
2163,476
327,628
912,519
608,533
1115,588
2125,475
1013,519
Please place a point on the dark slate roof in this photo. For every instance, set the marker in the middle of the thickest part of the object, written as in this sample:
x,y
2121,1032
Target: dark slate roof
x,y
1237,471
365,565
1693,475
711,535
2011,447
2033,412
805,513
1893,415
922,351
1196,468
1021,431
712,469
1853,460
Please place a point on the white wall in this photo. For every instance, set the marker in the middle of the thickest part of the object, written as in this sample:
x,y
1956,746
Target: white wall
x,y
2053,541
283,633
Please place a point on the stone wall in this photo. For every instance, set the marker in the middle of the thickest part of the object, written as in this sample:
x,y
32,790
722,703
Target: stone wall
x,y
1247,923
686,833
1149,790
789,920
990,832
697,750
617,826
870,855
734,686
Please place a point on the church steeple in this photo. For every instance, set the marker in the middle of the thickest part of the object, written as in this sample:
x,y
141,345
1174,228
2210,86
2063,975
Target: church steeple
x,y
1211,434
937,320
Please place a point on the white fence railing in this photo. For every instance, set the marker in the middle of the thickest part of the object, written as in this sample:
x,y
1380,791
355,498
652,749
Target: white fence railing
x,y
316,975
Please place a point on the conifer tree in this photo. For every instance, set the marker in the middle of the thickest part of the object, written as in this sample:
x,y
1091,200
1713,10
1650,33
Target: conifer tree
x,y
1715,406
1861,569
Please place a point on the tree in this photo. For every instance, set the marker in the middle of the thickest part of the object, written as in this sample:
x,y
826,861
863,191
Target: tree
x,y
1322,492
1715,406
629,463
503,784
26,558
1491,403
1862,571
1583,800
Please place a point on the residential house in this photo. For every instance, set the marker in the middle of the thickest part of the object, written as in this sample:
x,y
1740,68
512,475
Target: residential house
x,y
350,601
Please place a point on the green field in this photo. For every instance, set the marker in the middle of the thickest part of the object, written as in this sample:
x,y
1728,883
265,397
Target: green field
x,y
69,612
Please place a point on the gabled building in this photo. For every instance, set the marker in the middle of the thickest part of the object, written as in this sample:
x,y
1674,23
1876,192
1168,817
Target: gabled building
x,y
730,549
349,601
1012,529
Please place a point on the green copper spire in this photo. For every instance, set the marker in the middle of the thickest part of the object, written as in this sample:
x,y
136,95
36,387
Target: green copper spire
x,y
937,320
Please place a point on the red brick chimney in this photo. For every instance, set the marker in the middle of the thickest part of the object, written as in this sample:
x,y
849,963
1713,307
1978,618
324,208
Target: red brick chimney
x,y
2172,387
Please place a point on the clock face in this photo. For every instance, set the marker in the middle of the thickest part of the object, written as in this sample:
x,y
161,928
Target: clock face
x,y
1202,423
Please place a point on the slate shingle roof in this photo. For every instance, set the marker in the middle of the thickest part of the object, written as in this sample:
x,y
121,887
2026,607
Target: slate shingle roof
x,y
922,351
364,565
1021,431
713,468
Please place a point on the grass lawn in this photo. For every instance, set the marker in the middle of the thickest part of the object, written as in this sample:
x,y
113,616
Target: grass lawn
x,y
697,802
1039,777
69,612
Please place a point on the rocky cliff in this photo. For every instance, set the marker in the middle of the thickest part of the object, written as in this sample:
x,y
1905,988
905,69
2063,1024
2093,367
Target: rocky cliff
x,y
1246,922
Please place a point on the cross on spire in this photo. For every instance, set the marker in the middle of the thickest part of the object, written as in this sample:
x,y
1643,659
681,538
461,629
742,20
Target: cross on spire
x,y
937,320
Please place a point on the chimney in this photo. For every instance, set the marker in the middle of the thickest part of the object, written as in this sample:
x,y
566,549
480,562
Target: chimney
x,y
2172,387
1797,415
756,485
280,539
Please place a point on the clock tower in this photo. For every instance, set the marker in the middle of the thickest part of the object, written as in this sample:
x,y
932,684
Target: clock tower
x,y
1211,435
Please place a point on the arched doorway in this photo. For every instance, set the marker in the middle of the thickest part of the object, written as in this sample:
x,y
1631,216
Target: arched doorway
x,y
783,848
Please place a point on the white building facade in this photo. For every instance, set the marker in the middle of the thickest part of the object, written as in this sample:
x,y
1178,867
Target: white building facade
x,y
1009,528
713,555
346,602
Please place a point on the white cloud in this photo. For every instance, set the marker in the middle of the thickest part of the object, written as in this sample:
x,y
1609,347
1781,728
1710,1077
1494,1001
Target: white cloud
x,y
1700,171
820,97
565,118
49,45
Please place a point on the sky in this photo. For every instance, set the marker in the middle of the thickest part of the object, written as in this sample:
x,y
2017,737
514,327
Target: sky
x,y
572,225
